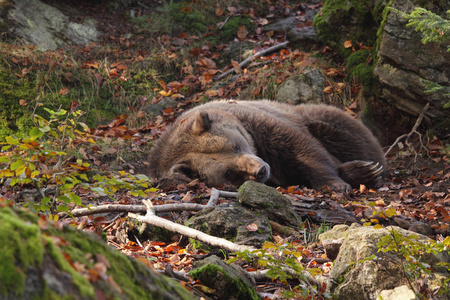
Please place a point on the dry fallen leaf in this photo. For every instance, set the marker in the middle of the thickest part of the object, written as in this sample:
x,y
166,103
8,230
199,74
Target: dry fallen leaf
x,y
348,44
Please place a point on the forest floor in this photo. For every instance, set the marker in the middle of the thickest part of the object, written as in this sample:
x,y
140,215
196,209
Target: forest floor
x,y
416,190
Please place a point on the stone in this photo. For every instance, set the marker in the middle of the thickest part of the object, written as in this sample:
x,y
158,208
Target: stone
x,y
399,293
267,201
404,62
229,281
306,87
230,221
46,26
353,276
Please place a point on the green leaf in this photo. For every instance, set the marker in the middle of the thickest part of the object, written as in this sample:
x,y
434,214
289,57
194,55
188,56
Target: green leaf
x,y
4,158
62,208
12,140
64,199
4,148
45,129
15,165
35,133
75,198
46,200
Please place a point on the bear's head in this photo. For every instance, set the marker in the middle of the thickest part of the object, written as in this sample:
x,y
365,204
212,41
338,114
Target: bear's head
x,y
212,146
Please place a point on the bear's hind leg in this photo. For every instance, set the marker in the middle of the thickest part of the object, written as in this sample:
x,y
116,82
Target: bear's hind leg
x,y
358,172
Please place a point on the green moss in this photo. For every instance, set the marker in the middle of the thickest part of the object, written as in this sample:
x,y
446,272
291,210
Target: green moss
x,y
186,17
230,29
14,118
361,67
236,287
20,247
83,285
23,246
356,20
385,13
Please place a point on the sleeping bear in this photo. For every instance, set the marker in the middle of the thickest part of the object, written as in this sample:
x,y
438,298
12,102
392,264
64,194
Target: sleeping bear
x,y
228,142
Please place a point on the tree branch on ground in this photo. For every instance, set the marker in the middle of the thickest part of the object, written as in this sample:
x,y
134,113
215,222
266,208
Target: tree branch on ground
x,y
215,194
248,60
152,219
78,212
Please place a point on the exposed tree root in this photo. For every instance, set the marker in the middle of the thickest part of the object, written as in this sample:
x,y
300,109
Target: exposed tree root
x,y
407,136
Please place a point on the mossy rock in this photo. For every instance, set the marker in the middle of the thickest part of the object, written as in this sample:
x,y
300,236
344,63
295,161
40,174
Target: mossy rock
x,y
360,65
228,281
230,29
38,260
355,20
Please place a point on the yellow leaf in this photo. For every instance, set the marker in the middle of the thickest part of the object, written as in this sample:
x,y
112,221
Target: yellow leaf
x,y
165,94
328,90
6,173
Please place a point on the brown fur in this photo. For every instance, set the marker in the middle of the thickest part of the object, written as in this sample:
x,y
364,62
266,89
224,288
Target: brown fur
x,y
229,142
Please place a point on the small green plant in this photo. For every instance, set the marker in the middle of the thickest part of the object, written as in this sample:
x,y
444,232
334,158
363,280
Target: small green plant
x,y
283,263
43,160
412,253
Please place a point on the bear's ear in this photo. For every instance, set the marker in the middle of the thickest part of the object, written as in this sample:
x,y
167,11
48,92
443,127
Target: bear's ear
x,y
202,123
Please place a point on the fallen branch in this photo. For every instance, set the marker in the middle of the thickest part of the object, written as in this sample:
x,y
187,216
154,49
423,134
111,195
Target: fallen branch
x,y
154,220
78,212
215,194
413,130
246,61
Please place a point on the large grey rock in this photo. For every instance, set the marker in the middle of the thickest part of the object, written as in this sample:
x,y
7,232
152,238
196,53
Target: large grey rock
x,y
306,87
267,201
46,26
403,61
230,221
296,31
353,277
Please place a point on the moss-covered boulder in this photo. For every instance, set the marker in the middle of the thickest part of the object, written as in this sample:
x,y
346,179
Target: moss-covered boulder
x,y
267,201
231,221
355,276
39,260
355,20
403,62
228,281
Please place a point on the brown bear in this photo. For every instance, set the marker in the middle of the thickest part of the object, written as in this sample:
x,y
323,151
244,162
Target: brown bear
x,y
228,142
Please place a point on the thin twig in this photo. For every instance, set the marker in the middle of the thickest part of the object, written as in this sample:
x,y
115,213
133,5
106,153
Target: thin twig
x,y
260,53
413,130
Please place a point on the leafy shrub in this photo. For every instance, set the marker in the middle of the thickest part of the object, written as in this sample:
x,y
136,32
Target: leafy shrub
x,y
42,160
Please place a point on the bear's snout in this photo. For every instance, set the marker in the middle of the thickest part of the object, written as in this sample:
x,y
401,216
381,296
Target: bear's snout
x,y
256,168
262,174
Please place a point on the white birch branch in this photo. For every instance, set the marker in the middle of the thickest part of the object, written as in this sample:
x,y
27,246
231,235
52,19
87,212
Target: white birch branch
x,y
152,219
78,212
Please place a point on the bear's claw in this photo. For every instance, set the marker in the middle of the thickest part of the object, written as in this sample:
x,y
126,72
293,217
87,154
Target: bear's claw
x,y
358,172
